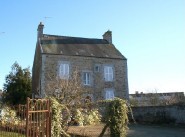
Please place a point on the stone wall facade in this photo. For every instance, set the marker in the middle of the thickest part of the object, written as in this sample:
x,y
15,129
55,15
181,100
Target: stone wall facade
x,y
160,114
36,72
50,74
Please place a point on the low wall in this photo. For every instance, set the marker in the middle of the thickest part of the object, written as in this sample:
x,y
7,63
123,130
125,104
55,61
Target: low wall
x,y
159,114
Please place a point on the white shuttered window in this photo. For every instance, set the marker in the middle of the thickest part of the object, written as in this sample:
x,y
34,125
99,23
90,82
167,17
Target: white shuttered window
x,y
109,94
64,71
87,78
108,73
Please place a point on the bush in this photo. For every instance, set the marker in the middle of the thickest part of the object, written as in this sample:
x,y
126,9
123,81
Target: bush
x,y
57,125
8,117
83,117
116,117
79,117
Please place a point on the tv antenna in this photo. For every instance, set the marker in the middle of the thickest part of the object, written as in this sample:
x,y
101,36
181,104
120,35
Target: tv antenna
x,y
47,17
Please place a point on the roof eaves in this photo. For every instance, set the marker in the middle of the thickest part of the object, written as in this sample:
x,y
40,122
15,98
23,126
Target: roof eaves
x,y
85,56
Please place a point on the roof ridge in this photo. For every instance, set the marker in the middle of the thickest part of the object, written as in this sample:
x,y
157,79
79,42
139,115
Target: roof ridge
x,y
59,36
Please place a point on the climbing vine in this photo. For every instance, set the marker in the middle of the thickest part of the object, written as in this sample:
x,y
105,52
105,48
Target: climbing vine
x,y
116,117
57,124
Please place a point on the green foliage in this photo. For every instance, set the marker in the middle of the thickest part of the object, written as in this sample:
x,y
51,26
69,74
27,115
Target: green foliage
x,y
10,134
57,124
79,117
8,117
84,117
134,102
17,86
116,117
92,117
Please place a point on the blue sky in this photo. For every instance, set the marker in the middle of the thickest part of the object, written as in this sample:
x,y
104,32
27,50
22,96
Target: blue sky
x,y
149,33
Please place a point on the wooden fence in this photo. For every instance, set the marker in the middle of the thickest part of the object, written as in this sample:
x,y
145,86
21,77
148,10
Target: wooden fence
x,y
30,120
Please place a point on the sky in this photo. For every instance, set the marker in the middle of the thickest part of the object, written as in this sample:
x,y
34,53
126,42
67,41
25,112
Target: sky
x,y
149,33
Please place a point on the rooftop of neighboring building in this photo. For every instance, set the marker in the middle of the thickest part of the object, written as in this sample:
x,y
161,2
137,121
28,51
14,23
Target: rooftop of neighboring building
x,y
141,94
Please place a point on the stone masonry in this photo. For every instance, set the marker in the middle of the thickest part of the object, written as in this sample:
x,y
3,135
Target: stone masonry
x,y
50,66
83,55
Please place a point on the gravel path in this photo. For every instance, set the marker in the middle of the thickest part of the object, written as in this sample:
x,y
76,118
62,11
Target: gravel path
x,y
155,131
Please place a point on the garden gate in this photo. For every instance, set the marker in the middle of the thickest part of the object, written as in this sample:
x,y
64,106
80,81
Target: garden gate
x,y
30,120
38,121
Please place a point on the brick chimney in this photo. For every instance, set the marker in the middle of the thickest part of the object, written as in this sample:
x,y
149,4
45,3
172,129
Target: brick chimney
x,y
108,36
40,30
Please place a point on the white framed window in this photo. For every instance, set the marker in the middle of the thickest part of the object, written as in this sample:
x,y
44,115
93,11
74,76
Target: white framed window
x,y
108,73
64,70
109,94
86,78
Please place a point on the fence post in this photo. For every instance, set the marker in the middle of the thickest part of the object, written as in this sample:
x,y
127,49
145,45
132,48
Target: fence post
x,y
27,117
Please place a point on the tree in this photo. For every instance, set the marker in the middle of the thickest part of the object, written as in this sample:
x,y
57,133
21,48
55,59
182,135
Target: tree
x,y
68,91
17,85
67,98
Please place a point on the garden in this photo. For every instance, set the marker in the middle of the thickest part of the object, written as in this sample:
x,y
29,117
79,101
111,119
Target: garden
x,y
84,121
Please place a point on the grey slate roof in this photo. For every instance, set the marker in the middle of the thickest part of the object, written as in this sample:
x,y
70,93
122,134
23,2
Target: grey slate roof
x,y
75,46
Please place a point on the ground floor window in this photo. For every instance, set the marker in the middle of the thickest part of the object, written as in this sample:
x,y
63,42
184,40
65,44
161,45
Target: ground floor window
x,y
109,94
86,78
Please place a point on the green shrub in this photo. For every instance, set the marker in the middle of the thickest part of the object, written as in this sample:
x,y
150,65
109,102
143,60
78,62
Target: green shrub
x,y
8,117
79,117
84,117
57,125
116,117
94,117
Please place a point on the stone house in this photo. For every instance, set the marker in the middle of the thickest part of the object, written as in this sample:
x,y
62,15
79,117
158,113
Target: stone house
x,y
102,68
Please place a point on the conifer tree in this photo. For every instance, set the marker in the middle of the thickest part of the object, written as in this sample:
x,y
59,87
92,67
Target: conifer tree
x,y
17,85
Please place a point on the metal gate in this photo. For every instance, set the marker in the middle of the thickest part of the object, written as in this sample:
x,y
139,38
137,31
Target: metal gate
x,y
38,120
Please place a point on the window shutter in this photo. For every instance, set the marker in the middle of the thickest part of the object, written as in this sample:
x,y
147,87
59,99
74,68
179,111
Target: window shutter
x,y
61,70
108,73
84,78
64,71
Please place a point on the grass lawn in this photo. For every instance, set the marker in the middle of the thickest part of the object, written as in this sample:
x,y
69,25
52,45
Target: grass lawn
x,y
10,134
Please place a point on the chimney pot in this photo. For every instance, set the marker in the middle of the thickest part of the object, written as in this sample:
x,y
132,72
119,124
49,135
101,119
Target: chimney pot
x,y
40,30
108,36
